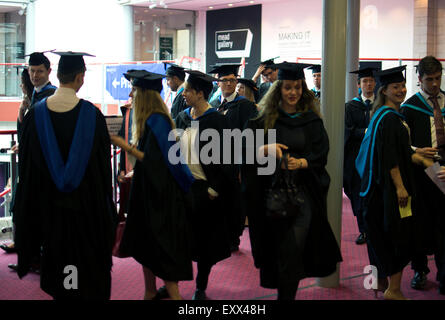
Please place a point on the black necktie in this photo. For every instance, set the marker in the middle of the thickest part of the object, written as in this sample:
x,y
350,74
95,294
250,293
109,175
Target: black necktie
x,y
440,131
223,106
368,106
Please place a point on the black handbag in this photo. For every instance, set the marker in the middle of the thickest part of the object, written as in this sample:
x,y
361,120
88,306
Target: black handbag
x,y
283,199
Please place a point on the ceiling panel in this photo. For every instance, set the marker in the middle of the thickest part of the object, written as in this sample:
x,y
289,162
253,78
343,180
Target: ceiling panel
x,y
202,4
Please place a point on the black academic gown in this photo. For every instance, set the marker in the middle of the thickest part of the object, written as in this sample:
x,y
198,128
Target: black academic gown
x,y
178,104
75,228
431,221
237,112
214,222
157,233
356,122
276,249
262,90
391,238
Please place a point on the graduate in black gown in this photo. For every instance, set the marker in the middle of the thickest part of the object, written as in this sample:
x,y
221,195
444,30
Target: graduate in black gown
x,y
290,249
175,80
39,70
421,115
316,78
269,73
385,164
357,116
156,232
64,205
216,193
237,110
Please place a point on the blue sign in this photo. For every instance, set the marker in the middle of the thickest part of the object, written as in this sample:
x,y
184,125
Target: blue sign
x,y
119,87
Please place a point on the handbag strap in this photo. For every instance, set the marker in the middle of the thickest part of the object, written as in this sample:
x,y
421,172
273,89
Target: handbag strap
x,y
278,172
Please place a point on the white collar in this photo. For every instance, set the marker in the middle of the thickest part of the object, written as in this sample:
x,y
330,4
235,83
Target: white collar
x,y
229,98
39,88
370,99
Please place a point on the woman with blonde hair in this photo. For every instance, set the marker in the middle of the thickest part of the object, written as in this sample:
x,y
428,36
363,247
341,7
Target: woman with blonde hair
x,y
388,188
301,244
156,232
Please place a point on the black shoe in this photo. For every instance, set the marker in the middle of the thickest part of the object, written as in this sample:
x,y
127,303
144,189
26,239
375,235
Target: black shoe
x,y
419,281
8,249
13,266
162,293
199,295
361,239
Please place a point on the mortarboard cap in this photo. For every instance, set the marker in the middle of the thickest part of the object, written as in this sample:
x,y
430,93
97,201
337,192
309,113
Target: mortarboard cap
x,y
145,79
174,70
392,75
291,71
226,69
248,82
71,62
365,72
201,80
37,58
269,63
316,68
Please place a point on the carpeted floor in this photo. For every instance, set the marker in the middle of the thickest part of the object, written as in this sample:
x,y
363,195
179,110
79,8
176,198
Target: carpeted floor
x,y
235,278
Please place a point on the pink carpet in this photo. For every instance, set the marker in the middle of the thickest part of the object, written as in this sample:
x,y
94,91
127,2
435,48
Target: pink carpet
x,y
235,278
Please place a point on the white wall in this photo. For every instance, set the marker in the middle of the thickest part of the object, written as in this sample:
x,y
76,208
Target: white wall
x,y
99,27
386,30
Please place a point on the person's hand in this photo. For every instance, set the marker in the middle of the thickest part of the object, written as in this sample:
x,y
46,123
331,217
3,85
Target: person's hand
x,y
258,72
22,110
274,149
441,174
427,152
121,176
402,196
15,148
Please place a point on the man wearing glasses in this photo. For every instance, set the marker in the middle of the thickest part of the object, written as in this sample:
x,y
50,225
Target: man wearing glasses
x,y
237,111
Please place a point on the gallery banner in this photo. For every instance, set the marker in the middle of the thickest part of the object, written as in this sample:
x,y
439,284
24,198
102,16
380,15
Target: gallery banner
x,y
234,34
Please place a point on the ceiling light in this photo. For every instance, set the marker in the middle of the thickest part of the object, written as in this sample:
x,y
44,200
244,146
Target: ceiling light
x,y
210,7
251,1
230,4
152,6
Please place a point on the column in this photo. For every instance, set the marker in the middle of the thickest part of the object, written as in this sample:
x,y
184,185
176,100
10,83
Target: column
x,y
352,48
332,106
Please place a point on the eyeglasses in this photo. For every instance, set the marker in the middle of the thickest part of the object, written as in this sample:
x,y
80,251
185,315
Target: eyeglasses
x,y
229,80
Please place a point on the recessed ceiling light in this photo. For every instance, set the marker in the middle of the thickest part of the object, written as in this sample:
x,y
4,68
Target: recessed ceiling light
x,y
210,7
230,4
251,1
